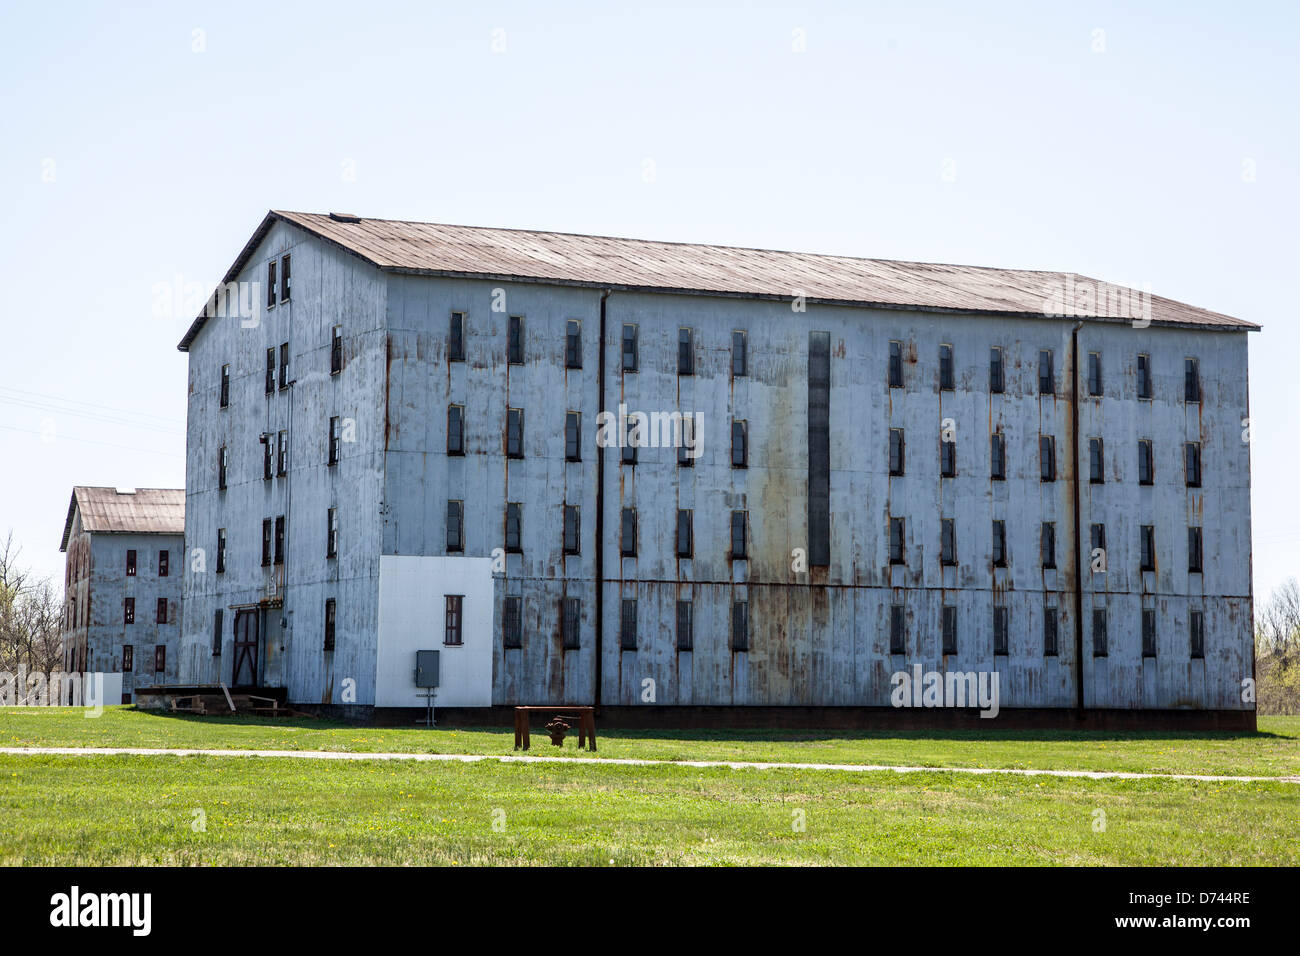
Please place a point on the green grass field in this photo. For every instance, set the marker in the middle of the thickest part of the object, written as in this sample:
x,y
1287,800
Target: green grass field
x,y
122,810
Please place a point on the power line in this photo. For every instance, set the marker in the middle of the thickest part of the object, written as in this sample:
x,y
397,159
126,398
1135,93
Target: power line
x,y
91,441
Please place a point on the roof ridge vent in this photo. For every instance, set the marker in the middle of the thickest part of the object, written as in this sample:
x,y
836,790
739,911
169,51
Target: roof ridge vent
x,y
125,491
345,217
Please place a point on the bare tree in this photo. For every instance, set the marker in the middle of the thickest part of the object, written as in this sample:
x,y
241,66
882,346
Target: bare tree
x,y
1277,651
31,611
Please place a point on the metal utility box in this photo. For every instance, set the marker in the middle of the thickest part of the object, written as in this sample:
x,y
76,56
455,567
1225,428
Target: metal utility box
x,y
426,668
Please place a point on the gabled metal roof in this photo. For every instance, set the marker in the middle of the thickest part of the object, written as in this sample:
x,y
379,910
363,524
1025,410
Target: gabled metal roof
x,y
139,511
424,248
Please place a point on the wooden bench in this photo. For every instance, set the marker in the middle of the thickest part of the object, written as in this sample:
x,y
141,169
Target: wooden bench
x,y
585,716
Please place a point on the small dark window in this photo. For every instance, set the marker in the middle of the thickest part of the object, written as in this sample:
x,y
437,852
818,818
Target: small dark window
x,y
1000,615
1050,632
513,623
1146,462
1148,547
948,541
896,448
897,541
631,358
270,284
573,436
948,458
268,458
335,441
159,658
284,279
1098,632
225,386
999,543
456,337
1191,381
573,344
685,455
514,433
455,526
739,543
685,352
627,625
1047,544
1047,456
996,379
279,539
998,457
514,527
1198,634
454,635
270,370
739,625
1144,376
217,619
685,626
571,621
1148,632
455,429
282,453
1099,537
571,542
739,445
739,355
1094,373
284,365
897,638
332,533
130,563
336,350
895,364
947,381
515,340
222,464
221,550
1194,550
128,611
627,533
1096,462
161,616
128,654
164,563
1192,454
628,453
949,630
1046,372
685,534
330,613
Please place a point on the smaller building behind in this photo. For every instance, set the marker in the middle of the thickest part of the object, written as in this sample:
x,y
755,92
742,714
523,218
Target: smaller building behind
x,y
122,583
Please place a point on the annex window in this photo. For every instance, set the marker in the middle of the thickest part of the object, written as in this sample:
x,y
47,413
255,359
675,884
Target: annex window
x,y
1148,547
739,539
573,344
685,626
1046,372
996,379
128,611
896,443
130,563
739,354
456,337
332,533
999,543
571,620
453,633
949,628
268,458
998,456
1098,632
514,527
515,340
336,350
895,364
284,365
573,436
740,625
455,526
1144,376
739,445
947,380
159,658
514,433
1094,373
513,623
164,563
897,634
627,533
1146,462
335,439
685,352
1047,544
1192,454
1000,615
279,539
1191,381
221,550
222,465
947,458
571,542
284,279
1096,462
160,617
225,386
1050,632
1197,637
948,541
685,533
627,625
1194,556
330,616
270,370
128,655
456,429
1047,457
270,284
897,541
1148,632
282,453
631,350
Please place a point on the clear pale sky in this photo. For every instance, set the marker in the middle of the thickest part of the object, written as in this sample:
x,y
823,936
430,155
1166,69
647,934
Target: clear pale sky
x,y
1158,145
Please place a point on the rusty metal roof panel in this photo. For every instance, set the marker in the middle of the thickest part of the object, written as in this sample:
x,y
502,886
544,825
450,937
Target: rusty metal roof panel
x,y
122,511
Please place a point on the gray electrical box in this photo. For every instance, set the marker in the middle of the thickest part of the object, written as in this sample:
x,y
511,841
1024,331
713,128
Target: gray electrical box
x,y
426,668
